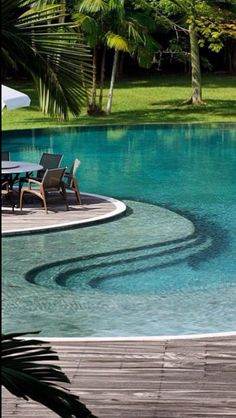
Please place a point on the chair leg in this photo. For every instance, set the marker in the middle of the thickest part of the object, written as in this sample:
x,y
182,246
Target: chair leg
x,y
11,202
76,190
20,186
64,195
21,198
44,201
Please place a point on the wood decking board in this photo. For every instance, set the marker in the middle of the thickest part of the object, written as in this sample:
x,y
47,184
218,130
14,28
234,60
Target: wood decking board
x,y
145,379
33,214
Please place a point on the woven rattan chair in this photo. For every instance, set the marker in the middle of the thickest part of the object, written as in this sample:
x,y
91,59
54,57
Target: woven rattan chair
x,y
52,181
48,161
71,182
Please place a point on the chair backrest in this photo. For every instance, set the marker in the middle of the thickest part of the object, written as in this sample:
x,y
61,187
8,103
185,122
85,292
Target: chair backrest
x,y
74,167
52,179
5,156
72,172
49,161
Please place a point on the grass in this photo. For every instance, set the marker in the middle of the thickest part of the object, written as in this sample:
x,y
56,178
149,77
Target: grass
x,y
156,99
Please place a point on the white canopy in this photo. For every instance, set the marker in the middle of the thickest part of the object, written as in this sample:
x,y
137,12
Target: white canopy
x,y
12,99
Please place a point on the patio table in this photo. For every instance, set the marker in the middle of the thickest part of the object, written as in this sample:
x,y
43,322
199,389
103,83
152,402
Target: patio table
x,y
12,169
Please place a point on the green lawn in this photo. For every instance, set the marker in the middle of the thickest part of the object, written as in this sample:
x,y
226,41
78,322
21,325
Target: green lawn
x,y
148,100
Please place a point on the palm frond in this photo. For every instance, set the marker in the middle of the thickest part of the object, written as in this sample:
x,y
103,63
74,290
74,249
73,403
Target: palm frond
x,y
117,42
135,32
93,6
53,54
39,15
117,6
86,24
27,373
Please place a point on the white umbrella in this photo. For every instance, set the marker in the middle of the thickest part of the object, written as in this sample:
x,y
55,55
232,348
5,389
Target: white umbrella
x,y
12,99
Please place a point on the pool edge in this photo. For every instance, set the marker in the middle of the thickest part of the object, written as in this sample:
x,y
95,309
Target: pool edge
x,y
143,338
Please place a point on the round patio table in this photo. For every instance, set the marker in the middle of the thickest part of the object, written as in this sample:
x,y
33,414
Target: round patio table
x,y
18,167
11,170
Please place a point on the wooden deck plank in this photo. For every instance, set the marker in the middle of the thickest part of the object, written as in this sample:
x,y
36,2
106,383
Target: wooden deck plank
x,y
34,215
131,379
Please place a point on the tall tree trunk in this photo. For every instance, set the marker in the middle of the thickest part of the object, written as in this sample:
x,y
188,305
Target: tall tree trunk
x,y
92,108
230,55
113,76
233,55
195,66
102,78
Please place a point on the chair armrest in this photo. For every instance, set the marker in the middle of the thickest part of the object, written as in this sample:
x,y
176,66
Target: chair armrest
x,y
34,182
5,183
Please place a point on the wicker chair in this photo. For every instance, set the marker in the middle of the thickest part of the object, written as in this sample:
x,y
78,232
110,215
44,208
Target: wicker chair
x,y
52,181
71,182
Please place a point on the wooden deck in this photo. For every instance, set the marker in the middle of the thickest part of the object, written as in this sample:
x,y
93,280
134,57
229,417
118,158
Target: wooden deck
x,y
34,218
145,379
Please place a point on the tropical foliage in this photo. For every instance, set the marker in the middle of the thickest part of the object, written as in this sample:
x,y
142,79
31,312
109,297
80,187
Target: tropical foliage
x,y
27,372
36,38
117,25
207,22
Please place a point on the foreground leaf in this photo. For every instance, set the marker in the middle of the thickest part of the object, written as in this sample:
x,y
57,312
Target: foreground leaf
x,y
27,373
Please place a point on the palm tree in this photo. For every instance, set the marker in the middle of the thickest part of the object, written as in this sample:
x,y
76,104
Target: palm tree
x,y
26,373
50,51
114,24
132,35
90,24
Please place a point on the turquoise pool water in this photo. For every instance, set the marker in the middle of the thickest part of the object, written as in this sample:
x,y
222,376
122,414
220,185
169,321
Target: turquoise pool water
x,y
116,279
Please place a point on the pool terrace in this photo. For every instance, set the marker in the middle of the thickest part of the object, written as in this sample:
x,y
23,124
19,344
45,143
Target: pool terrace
x,y
145,378
33,218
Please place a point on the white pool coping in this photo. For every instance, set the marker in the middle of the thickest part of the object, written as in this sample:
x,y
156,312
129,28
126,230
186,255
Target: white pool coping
x,y
143,338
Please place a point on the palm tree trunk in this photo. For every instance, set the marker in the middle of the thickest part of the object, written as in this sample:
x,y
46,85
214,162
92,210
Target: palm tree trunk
x,y
102,78
195,66
113,76
92,105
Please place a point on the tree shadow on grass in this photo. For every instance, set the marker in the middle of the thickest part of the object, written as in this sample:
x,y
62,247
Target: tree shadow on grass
x,y
141,116
180,80
126,117
166,111
209,103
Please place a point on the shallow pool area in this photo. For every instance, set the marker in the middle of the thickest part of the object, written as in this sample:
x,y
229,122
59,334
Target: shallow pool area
x,y
139,275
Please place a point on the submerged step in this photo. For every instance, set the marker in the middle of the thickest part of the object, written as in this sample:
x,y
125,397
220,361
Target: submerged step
x,y
146,235
92,272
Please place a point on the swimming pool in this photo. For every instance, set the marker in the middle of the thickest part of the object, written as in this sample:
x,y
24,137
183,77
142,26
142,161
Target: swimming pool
x,y
116,279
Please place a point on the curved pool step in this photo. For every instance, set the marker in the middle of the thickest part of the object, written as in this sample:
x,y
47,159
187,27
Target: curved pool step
x,y
92,270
